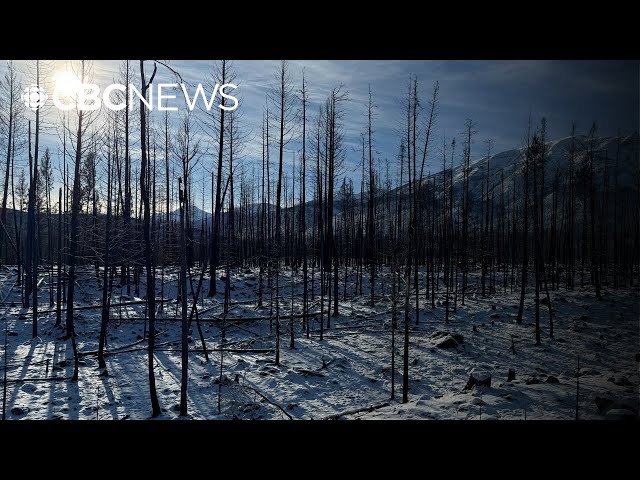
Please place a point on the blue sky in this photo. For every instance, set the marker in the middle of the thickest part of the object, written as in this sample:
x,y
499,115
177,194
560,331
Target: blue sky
x,y
496,95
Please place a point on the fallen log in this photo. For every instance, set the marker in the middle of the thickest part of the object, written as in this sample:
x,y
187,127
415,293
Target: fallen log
x,y
357,410
37,379
269,401
195,350
113,305
113,350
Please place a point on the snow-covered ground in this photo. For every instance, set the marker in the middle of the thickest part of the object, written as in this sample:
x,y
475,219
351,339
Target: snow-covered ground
x,y
346,375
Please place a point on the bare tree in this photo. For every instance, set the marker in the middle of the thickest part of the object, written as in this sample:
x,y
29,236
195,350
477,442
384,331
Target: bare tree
x,y
10,111
283,100
148,252
223,74
183,280
106,298
83,124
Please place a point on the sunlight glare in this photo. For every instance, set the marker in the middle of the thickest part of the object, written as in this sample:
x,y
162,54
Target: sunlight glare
x,y
67,84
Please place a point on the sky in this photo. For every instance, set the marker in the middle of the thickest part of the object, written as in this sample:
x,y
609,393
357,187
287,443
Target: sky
x,y
498,95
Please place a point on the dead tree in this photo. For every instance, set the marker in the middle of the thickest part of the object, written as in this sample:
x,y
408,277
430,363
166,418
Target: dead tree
x,y
183,282
106,298
12,109
148,249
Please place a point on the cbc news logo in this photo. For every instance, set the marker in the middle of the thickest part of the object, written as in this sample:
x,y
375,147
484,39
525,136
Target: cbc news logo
x,y
89,96
34,97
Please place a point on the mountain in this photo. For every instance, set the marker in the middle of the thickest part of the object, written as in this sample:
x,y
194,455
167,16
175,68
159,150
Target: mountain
x,y
509,165
197,215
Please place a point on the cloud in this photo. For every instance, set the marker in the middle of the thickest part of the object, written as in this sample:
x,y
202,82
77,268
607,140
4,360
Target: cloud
x,y
497,95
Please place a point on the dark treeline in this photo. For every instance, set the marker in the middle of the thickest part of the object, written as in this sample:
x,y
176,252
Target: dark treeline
x,y
546,216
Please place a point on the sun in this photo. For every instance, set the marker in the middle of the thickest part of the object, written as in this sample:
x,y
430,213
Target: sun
x,y
66,84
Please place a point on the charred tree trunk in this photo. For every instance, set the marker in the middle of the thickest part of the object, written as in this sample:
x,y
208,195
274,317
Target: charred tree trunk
x,y
148,249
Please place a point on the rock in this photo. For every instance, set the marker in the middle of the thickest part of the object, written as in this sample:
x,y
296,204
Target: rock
x,y
138,337
12,334
291,406
544,301
189,339
225,380
28,387
621,381
532,381
620,414
494,315
373,380
249,407
447,342
605,404
552,379
478,379
475,329
511,375
19,411
458,338
493,307
205,376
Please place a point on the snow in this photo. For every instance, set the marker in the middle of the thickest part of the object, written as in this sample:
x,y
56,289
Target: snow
x,y
346,373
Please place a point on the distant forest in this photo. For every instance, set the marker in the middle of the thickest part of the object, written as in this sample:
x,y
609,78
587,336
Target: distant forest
x,y
564,213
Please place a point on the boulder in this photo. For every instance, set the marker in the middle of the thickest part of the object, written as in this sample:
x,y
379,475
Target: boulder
x,y
478,379
19,411
533,381
605,404
621,381
511,375
447,342
552,379
620,414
